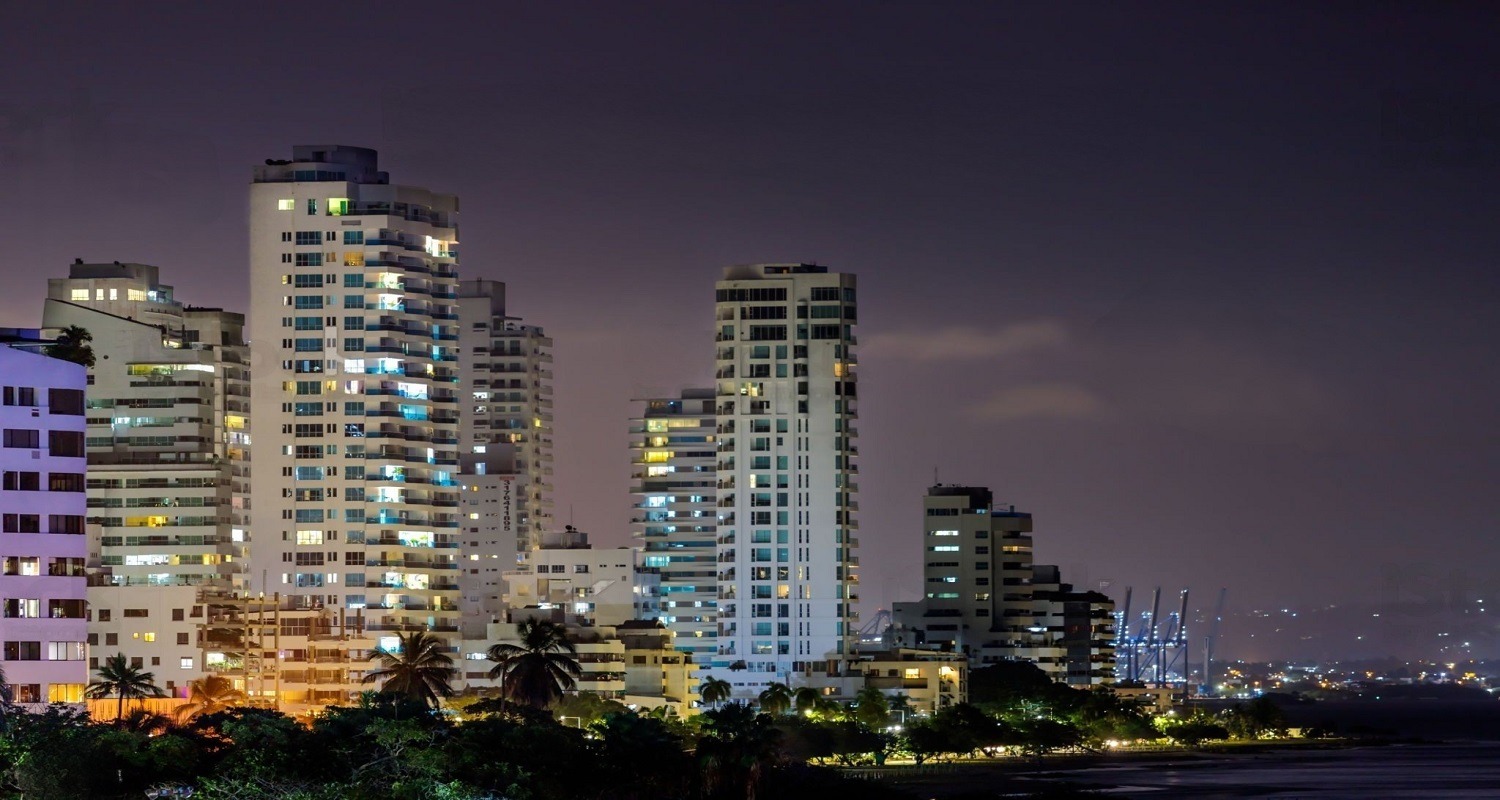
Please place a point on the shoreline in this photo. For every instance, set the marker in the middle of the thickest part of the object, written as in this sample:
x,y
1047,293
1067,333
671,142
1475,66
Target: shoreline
x,y
1088,774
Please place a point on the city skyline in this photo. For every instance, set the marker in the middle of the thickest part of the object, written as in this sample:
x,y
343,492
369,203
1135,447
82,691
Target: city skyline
x,y
1249,360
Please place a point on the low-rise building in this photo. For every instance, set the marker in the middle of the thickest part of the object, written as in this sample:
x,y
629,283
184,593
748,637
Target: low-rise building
x,y
931,680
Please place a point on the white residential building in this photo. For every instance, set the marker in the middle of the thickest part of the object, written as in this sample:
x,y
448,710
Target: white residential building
x,y
353,312
489,507
168,433
597,586
505,381
674,514
44,625
786,475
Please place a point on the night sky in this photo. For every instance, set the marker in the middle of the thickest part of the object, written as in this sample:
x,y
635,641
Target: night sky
x,y
1207,288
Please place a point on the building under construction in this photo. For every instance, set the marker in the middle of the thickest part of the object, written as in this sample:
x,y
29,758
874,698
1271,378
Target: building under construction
x,y
291,658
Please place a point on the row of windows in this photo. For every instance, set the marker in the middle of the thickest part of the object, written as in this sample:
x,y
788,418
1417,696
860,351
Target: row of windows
x,y
32,565
34,608
59,401
178,614
55,651
32,523
65,444
319,237
32,482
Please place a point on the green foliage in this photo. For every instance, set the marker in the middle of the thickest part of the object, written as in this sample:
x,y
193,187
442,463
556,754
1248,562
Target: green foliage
x,y
419,669
117,678
1259,718
541,669
72,344
1191,730
715,691
777,699
584,709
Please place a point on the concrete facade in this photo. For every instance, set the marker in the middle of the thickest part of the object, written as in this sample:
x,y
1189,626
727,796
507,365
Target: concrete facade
x,y
43,545
353,312
673,515
787,463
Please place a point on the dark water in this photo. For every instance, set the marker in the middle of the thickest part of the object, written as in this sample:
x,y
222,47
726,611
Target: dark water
x,y
1397,772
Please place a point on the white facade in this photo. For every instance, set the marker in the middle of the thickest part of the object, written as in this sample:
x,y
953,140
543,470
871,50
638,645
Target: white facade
x,y
168,431
674,514
597,586
505,382
786,474
489,507
44,625
355,332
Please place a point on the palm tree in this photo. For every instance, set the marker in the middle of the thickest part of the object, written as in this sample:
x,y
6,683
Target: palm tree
x,y
871,708
806,699
418,669
740,747
72,344
209,696
776,699
539,670
715,691
119,678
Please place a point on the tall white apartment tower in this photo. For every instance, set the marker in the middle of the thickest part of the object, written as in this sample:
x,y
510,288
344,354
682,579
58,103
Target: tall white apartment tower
x,y
786,469
354,323
674,484
168,428
506,384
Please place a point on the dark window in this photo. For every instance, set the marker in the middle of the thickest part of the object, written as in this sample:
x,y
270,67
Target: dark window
x,y
20,437
23,523
23,481
68,444
65,482
23,651
65,401
64,523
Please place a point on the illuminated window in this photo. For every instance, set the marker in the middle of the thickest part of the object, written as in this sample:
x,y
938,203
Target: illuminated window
x,y
658,456
309,537
149,636
338,206
65,693
912,673
79,295
286,204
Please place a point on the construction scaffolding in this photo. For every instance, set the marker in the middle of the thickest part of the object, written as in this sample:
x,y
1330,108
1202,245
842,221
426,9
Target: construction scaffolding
x,y
283,655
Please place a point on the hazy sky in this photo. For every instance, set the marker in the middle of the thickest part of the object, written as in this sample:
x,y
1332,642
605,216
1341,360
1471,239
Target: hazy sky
x,y
1207,288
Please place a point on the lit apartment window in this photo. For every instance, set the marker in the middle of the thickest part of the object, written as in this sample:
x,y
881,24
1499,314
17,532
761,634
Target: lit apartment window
x,y
286,204
79,295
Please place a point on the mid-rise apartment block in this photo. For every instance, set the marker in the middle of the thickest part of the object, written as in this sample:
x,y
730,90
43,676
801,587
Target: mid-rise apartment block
x,y
43,547
674,487
168,433
596,586
785,412
986,598
354,317
505,380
